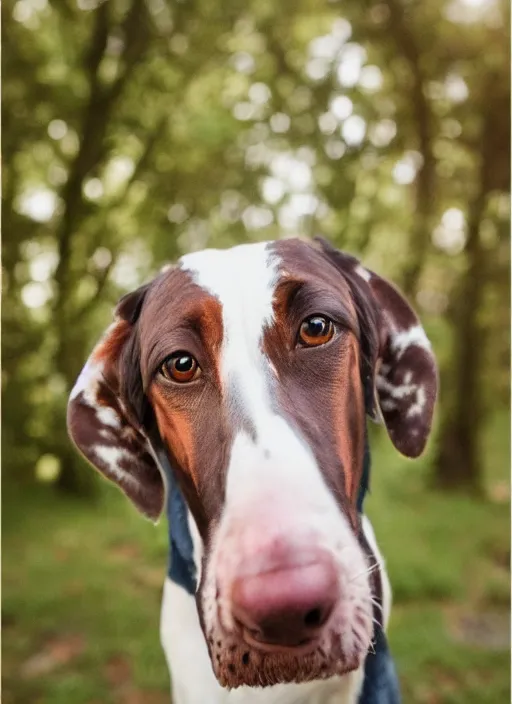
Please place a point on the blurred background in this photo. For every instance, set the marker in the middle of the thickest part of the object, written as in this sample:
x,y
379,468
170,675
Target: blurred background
x,y
136,130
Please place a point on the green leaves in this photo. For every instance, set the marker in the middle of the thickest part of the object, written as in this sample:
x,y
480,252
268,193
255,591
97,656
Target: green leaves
x,y
147,129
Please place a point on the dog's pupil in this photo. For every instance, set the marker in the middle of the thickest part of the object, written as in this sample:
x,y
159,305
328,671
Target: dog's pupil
x,y
316,327
184,364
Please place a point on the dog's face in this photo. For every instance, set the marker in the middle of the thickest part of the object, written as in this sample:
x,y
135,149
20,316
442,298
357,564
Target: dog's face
x,y
251,368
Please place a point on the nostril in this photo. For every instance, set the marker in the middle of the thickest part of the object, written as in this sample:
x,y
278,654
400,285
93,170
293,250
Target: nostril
x,y
286,606
313,618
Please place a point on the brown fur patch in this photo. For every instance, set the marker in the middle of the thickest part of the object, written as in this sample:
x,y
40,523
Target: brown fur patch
x,y
176,431
348,420
328,376
179,316
113,343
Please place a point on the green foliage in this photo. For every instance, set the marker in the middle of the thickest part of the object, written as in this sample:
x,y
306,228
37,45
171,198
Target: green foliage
x,y
135,131
93,615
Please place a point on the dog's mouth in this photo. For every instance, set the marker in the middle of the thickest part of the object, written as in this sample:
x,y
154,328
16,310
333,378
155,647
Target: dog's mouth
x,y
241,664
242,660
254,639
290,625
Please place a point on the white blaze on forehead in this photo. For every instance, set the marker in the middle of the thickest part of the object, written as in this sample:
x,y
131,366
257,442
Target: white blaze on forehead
x,y
243,280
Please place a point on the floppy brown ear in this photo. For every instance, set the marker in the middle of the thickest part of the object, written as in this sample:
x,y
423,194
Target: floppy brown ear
x,y
101,420
404,367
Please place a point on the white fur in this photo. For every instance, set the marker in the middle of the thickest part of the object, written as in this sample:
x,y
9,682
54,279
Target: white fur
x,y
107,416
192,678
386,585
243,280
111,456
396,392
400,392
417,407
87,382
276,493
362,272
193,681
415,335
388,404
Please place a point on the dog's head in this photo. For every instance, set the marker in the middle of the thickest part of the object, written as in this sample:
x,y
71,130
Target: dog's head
x,y
252,369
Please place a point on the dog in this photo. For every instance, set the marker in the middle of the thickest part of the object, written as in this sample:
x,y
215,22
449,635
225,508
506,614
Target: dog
x,y
232,392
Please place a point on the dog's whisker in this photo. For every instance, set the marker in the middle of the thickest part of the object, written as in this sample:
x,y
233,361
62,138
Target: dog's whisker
x,y
374,602
377,623
365,572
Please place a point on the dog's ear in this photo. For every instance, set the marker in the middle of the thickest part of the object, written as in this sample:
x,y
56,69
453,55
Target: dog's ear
x,y
106,412
403,369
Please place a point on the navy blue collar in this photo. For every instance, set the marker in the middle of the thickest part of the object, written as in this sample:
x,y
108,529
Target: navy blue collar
x,y
380,684
181,569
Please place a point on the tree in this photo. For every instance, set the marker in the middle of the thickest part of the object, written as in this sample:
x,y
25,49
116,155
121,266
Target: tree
x,y
136,130
459,461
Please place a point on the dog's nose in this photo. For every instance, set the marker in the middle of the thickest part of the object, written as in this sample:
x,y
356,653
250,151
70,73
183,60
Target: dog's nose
x,y
286,607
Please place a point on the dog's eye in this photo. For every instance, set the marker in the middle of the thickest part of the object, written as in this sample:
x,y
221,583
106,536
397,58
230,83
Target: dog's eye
x,y
316,330
180,367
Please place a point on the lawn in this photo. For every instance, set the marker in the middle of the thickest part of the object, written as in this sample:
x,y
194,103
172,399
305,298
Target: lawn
x,y
81,590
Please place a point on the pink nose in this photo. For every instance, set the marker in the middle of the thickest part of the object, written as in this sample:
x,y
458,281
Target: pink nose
x,y
286,607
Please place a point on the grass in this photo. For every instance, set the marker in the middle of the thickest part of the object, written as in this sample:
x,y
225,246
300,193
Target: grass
x,y
448,558
82,586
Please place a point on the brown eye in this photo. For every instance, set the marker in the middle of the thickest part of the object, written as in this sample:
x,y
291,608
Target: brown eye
x,y
316,330
181,367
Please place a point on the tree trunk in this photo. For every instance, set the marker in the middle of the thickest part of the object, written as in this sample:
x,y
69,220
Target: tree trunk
x,y
75,477
458,464
406,41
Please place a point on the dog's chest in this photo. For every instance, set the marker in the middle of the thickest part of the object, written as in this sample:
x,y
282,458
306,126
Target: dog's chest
x,y
338,690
